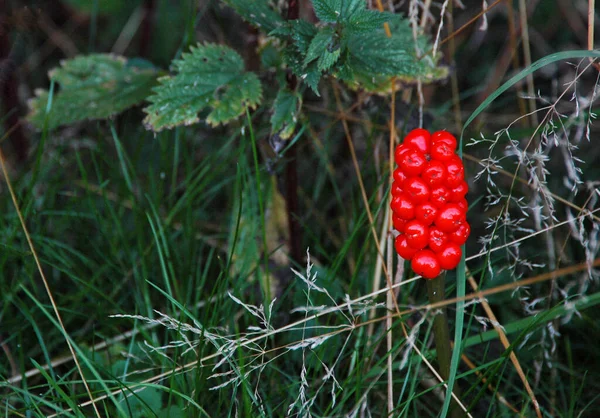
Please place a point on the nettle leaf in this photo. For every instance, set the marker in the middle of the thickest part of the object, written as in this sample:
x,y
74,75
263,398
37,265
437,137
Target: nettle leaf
x,y
285,113
311,77
209,76
319,44
95,86
302,32
258,13
332,11
367,20
372,55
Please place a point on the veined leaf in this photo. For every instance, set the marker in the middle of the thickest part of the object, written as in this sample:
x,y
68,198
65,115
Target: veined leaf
x,y
285,113
368,20
319,44
374,53
302,34
337,10
209,76
95,86
373,58
257,13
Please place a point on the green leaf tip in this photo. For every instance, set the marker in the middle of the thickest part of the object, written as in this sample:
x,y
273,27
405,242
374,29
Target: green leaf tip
x,y
95,86
285,113
211,77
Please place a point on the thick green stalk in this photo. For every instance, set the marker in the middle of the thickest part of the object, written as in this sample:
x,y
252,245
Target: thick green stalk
x,y
441,336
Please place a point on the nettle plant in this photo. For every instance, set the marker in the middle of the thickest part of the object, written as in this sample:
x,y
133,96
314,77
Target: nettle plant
x,y
210,82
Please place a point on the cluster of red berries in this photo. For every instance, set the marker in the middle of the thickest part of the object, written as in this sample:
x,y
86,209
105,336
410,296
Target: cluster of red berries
x,y
428,202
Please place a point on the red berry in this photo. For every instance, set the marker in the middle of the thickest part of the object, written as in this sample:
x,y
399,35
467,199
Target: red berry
x,y
426,213
418,139
458,193
426,264
399,177
437,239
416,189
434,173
396,189
456,172
445,137
402,247
463,204
413,162
461,234
417,234
450,256
439,196
441,151
399,223
449,218
400,152
403,206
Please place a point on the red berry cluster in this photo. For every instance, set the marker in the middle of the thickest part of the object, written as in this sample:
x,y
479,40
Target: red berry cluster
x,y
428,202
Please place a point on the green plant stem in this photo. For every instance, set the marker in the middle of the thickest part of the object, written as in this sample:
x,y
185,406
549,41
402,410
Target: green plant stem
x,y
441,335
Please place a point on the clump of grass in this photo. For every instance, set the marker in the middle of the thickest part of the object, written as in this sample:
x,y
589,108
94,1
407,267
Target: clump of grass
x,y
156,251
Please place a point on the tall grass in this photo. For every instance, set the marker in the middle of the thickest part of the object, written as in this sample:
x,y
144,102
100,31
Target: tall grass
x,y
167,258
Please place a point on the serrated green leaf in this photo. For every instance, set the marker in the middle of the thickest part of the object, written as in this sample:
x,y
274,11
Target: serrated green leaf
x,y
311,77
328,10
374,53
302,34
319,44
258,13
233,98
95,86
332,11
328,59
367,20
285,113
209,76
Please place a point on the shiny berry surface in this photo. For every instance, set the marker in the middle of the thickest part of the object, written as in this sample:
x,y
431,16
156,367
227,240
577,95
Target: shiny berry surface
x,y
455,172
418,139
463,204
459,192
417,234
434,173
400,152
441,151
428,202
437,239
413,162
439,196
416,189
403,207
399,223
426,213
402,247
461,234
426,264
445,137
399,177
449,218
449,256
